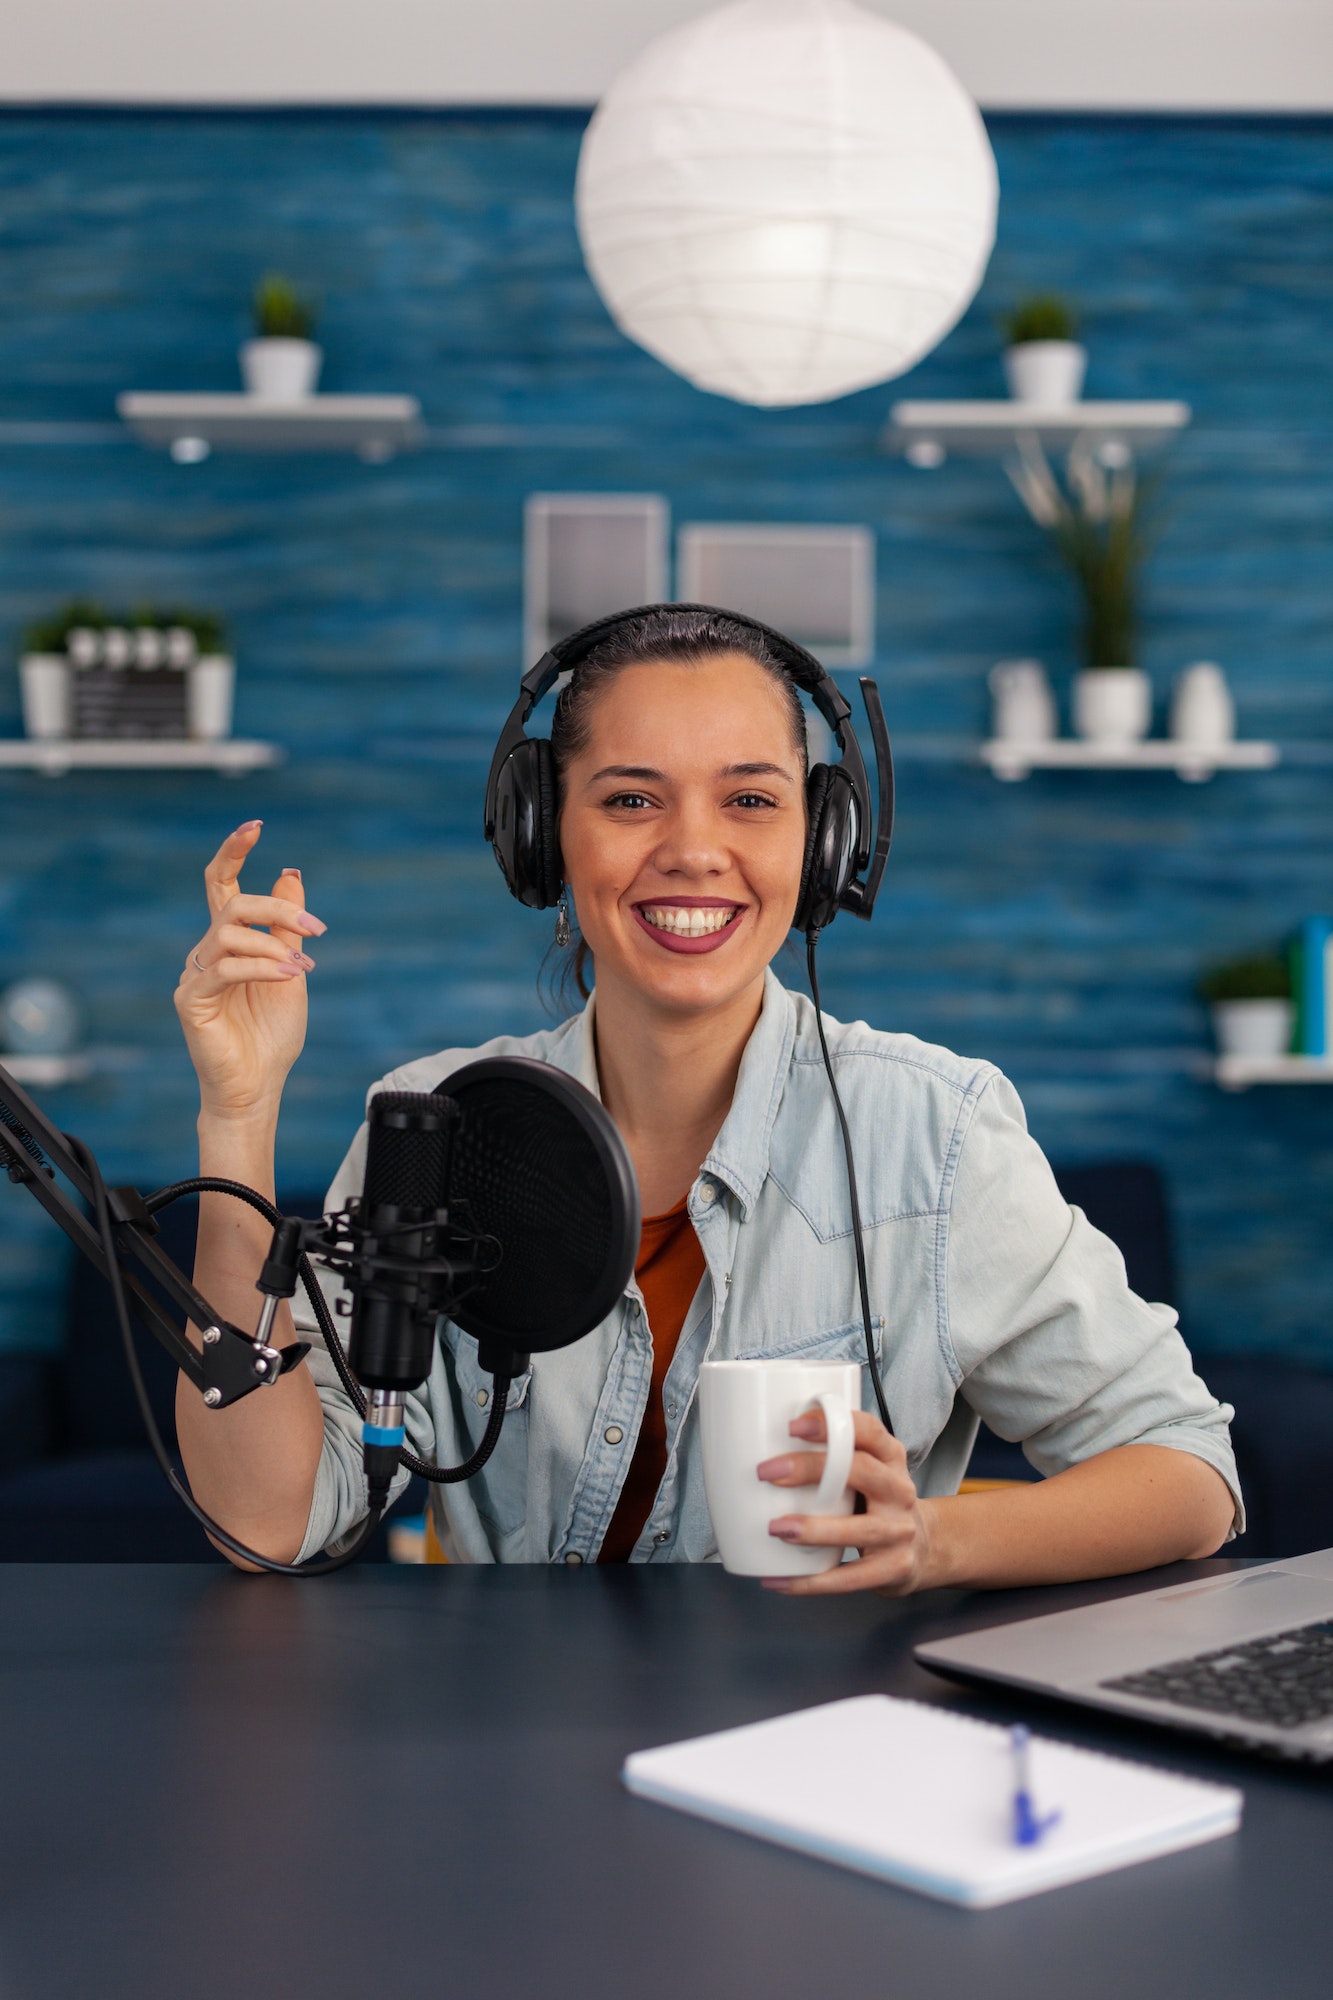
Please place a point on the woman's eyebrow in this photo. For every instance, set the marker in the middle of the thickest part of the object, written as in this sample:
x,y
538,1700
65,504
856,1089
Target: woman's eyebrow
x,y
757,771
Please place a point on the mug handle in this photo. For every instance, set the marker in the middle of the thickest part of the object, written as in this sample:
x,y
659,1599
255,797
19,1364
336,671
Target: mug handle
x,y
841,1447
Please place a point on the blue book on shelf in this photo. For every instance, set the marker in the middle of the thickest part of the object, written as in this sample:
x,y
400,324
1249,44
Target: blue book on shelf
x,y
1312,999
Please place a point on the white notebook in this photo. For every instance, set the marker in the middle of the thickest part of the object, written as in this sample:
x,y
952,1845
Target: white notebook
x,y
923,1796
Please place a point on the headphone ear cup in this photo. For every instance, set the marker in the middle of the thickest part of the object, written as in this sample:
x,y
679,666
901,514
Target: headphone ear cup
x,y
526,842
830,846
548,866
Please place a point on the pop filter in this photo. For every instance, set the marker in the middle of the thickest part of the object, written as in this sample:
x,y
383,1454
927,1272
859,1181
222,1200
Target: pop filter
x,y
538,1166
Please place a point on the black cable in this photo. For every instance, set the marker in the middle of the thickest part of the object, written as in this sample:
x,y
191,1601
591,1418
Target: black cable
x,y
437,1475
106,1230
811,940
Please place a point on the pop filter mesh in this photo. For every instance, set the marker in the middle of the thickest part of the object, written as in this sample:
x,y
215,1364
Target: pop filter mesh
x,y
538,1166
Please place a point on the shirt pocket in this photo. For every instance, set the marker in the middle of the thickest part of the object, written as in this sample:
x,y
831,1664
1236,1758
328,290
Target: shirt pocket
x,y
837,1343
474,1386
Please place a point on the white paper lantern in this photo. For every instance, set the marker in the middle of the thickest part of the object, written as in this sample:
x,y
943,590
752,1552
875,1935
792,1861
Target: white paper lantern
x,y
787,200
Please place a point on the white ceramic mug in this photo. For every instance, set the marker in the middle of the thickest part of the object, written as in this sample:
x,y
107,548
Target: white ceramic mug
x,y
745,1408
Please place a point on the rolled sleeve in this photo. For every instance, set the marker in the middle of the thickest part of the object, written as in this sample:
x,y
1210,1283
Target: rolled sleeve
x,y
1051,1346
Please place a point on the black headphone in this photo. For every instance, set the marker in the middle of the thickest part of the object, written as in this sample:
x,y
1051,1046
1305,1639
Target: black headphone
x,y
840,871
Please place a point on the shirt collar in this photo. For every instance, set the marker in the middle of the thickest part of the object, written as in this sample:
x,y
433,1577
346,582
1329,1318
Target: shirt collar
x,y
739,1155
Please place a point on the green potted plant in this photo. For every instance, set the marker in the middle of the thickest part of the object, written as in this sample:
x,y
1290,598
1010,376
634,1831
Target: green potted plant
x,y
1043,360
281,363
1250,1003
1097,523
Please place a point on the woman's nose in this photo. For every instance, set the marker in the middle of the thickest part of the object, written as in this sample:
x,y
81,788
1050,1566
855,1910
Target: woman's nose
x,y
693,842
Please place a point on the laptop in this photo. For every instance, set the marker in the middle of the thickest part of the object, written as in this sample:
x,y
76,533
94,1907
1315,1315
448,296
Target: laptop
x,y
1246,1657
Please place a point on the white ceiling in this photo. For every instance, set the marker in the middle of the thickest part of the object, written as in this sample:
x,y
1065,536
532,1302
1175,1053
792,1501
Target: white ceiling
x,y
1099,54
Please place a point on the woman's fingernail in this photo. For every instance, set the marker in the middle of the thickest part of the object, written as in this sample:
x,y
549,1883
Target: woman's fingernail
x,y
305,921
785,1531
779,1583
775,1468
306,964
285,969
247,826
293,871
808,1426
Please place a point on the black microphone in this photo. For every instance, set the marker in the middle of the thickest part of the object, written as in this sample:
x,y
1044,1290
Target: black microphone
x,y
397,1278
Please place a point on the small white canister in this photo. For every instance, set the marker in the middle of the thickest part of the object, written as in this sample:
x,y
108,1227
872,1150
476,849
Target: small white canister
x,y
1203,714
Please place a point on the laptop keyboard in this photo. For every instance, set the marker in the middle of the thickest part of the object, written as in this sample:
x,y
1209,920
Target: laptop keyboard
x,y
1285,1679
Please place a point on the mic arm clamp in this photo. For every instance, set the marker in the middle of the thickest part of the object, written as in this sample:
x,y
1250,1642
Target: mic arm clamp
x,y
230,1363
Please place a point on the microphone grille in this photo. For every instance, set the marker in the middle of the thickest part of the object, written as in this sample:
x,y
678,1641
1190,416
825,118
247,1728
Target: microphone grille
x,y
407,1153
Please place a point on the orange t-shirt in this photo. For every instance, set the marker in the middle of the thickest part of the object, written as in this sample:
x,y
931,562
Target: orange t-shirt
x,y
669,1266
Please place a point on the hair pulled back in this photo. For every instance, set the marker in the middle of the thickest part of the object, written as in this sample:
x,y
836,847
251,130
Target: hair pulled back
x,y
670,634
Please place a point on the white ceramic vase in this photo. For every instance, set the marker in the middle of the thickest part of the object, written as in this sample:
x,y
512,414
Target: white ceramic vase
x,y
1253,1027
1112,704
1049,372
209,688
1203,714
280,371
44,682
1022,704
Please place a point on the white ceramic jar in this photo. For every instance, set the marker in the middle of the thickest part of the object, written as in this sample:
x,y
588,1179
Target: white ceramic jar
x,y
1049,372
1112,704
279,370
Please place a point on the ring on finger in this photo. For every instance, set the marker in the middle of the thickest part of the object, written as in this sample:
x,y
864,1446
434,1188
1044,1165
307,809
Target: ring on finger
x,y
195,961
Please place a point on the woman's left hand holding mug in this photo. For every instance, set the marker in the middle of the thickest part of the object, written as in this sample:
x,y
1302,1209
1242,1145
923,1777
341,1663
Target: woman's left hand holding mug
x,y
893,1533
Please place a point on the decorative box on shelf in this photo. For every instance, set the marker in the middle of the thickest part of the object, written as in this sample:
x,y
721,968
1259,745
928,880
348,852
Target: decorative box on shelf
x,y
63,698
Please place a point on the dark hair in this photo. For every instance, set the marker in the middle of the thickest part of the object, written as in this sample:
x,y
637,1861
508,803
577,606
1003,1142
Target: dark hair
x,y
671,634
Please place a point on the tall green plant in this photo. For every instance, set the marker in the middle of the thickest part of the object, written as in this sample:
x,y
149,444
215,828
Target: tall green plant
x,y
1099,530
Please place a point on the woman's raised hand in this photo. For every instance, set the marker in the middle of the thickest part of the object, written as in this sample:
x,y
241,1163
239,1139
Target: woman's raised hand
x,y
241,997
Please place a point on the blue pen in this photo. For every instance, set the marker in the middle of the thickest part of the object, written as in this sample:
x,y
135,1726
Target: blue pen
x,y
1028,1827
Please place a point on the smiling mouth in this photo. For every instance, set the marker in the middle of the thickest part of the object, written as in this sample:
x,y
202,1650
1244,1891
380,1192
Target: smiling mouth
x,y
678,921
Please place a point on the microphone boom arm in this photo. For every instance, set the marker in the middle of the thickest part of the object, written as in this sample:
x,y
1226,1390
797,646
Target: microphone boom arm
x,y
231,1363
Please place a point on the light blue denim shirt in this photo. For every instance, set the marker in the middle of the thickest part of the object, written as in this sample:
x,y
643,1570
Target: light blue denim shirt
x,y
991,1298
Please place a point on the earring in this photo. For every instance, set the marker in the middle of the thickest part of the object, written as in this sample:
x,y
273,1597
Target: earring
x,y
562,930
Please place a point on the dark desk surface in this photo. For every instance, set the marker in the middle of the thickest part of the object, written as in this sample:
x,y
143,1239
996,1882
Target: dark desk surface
x,y
217,1787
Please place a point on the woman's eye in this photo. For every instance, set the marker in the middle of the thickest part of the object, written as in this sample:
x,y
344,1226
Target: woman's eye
x,y
629,801
754,801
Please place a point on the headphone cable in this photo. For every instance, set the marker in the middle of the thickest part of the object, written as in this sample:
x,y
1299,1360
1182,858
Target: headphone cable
x,y
811,940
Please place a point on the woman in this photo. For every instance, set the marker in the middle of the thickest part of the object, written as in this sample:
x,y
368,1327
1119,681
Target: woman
x,y
679,745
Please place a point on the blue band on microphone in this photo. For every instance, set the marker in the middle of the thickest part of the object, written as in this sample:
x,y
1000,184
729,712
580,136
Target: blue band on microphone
x,y
381,1434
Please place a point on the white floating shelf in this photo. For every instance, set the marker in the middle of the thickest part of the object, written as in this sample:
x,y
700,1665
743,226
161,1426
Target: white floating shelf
x,y
190,427
1239,1072
54,756
1012,761
50,1071
926,433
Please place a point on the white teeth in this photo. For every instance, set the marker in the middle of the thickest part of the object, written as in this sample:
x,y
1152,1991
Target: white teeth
x,y
686,923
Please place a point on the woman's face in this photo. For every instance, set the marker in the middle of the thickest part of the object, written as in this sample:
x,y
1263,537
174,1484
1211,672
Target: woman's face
x,y
683,830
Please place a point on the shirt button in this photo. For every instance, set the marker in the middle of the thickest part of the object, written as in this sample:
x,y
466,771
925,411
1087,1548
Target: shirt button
x,y
707,1194
662,1535
613,1434
483,1398
671,1409
573,1558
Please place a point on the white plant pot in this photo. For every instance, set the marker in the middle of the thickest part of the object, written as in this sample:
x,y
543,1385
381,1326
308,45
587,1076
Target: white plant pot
x,y
1049,372
1112,704
1253,1027
281,371
44,681
1023,707
209,689
1202,711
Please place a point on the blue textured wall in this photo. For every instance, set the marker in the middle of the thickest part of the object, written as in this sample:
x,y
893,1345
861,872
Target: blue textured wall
x,y
1055,926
